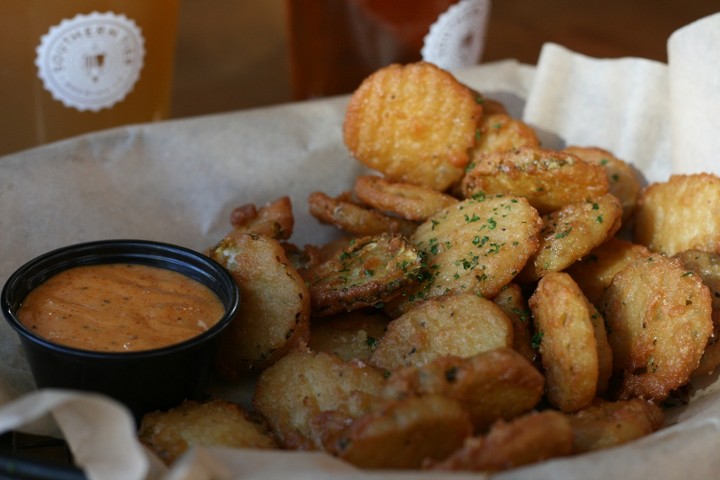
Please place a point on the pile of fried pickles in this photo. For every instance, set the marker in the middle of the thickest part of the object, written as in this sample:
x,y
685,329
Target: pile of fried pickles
x,y
488,303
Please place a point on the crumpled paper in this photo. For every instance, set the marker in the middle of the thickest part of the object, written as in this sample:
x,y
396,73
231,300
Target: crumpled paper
x,y
178,181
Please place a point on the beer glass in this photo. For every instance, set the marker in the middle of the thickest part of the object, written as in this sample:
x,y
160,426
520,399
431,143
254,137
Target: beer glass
x,y
70,67
335,44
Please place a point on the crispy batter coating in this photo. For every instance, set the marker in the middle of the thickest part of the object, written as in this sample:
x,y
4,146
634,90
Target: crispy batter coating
x,y
349,335
491,385
607,424
295,395
214,423
274,220
354,218
403,433
414,123
275,312
568,345
499,132
368,271
623,181
412,202
461,325
549,179
680,214
531,438
571,233
511,300
659,318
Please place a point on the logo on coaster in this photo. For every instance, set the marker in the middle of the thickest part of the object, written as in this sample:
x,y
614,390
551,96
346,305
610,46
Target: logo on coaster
x,y
91,62
457,37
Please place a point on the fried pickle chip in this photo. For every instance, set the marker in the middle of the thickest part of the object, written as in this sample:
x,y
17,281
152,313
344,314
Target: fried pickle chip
x,y
403,433
221,423
595,271
369,271
607,424
682,213
499,132
492,385
549,179
353,218
412,202
349,335
275,312
414,123
461,325
531,438
707,266
571,233
293,393
478,246
274,220
623,180
568,345
511,300
659,318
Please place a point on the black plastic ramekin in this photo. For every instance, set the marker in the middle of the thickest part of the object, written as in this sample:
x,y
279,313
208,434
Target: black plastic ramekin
x,y
144,380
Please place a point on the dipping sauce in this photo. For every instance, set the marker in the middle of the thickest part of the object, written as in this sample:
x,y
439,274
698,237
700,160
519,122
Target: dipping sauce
x,y
120,308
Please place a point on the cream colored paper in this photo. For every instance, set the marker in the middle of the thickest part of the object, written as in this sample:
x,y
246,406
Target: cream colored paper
x,y
178,182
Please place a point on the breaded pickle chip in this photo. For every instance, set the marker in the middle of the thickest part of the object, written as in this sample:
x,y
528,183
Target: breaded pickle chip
x,y
274,220
293,394
549,179
659,318
607,424
568,347
623,180
403,433
275,313
414,123
354,218
349,335
368,271
461,325
682,213
499,132
218,423
511,300
478,245
492,385
595,271
412,202
571,232
531,438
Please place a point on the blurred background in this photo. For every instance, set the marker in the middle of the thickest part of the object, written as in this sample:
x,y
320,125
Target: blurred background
x,y
232,54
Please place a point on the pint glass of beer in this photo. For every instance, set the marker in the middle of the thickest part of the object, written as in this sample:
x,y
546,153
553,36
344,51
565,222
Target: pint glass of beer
x,y
70,67
335,44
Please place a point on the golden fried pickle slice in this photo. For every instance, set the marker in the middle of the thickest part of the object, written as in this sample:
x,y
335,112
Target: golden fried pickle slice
x,y
531,438
499,132
368,271
595,271
571,232
414,123
491,385
349,335
659,318
274,219
478,246
568,345
294,393
353,218
682,213
275,312
461,325
412,202
511,300
403,433
623,180
549,179
220,423
607,424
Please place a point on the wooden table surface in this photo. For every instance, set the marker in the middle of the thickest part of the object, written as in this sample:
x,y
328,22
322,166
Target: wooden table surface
x,y
232,54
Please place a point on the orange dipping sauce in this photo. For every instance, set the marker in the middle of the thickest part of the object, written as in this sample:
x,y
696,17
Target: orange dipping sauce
x,y
120,308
